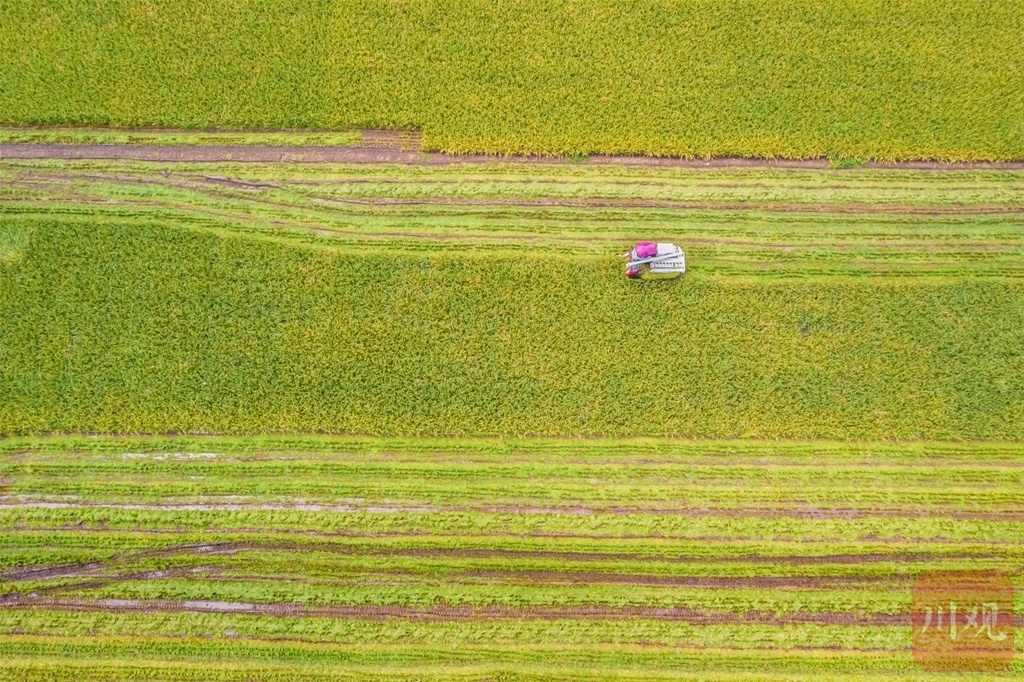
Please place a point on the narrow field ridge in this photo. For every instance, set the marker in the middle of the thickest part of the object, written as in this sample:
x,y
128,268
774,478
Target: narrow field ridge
x,y
387,153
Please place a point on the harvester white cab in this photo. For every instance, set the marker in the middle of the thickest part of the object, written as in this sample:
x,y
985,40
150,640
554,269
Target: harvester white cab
x,y
650,260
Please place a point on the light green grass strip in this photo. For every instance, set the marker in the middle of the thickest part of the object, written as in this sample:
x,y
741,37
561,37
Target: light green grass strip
x,y
637,476
504,633
757,223
231,658
539,524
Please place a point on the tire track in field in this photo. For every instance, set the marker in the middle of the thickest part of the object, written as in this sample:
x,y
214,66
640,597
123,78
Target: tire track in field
x,y
95,574
248,190
803,512
509,238
596,202
444,612
533,578
903,556
485,535
652,181
542,578
212,575
91,569
96,568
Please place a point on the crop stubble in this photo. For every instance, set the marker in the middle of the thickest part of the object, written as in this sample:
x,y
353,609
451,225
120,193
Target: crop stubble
x,y
534,559
176,580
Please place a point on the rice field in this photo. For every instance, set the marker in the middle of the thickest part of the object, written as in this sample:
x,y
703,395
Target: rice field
x,y
529,467
330,405
490,300
844,79
343,558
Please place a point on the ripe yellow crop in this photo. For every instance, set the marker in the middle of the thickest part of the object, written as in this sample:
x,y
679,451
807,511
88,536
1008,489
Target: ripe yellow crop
x,y
117,325
763,78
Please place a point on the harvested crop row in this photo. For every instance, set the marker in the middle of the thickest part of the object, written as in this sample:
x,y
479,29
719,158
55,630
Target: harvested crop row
x,y
870,485
801,79
746,222
536,593
111,658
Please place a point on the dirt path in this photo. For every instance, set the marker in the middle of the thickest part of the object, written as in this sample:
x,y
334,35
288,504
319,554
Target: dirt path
x,y
375,154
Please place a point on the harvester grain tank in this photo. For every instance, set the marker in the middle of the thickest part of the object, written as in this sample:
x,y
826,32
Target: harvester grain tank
x,y
650,260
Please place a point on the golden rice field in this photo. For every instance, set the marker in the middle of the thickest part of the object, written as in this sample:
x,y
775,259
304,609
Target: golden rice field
x,y
527,467
755,78
489,300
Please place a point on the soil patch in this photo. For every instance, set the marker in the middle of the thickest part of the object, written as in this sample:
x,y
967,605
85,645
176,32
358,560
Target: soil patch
x,y
442,612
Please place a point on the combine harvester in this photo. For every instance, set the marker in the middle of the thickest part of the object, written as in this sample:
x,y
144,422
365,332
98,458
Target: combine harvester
x,y
648,260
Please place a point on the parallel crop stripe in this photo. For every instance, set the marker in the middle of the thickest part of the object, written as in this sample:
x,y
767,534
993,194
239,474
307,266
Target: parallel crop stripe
x,y
327,450
540,525
736,659
940,218
552,632
528,591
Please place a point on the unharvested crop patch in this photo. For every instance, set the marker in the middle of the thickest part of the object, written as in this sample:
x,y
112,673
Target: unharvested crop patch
x,y
848,79
220,297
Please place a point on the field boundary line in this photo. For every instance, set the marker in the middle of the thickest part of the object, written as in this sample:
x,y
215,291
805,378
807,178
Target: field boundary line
x,y
381,154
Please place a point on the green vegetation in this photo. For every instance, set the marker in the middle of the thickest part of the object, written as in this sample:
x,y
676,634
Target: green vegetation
x,y
765,453
111,658
846,79
174,137
13,238
468,299
821,304
340,558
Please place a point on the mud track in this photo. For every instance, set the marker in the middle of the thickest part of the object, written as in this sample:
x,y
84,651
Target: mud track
x,y
443,612
372,154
